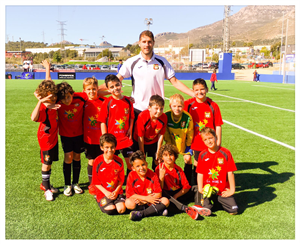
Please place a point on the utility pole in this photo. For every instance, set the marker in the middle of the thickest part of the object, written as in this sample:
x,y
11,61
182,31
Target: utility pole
x,y
226,32
148,22
281,44
62,33
285,52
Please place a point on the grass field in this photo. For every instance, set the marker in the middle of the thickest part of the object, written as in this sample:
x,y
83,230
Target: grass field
x,y
260,137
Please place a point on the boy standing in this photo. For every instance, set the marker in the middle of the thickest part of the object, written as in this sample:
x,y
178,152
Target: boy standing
x,y
91,125
180,132
117,117
143,191
108,178
150,128
205,113
216,167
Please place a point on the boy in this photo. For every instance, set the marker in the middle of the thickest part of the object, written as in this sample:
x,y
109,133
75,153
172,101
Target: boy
x,y
117,117
175,185
108,178
150,128
216,167
91,125
47,132
180,132
205,113
143,191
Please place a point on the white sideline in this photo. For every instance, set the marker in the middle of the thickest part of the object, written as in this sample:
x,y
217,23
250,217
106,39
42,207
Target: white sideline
x,y
289,110
275,87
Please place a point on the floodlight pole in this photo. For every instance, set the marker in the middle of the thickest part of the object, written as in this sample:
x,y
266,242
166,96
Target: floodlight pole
x,y
148,22
20,50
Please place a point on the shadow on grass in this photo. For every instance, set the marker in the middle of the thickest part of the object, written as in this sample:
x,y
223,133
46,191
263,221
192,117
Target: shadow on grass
x,y
256,188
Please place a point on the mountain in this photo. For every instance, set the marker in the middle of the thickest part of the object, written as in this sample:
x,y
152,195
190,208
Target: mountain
x,y
63,42
259,24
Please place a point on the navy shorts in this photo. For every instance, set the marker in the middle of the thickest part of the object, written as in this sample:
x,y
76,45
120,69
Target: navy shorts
x,y
48,156
228,203
150,150
104,202
72,144
126,152
92,151
196,155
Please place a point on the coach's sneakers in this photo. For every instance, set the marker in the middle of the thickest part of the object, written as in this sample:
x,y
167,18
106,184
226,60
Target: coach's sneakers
x,y
68,190
53,190
48,195
77,189
135,215
192,213
201,210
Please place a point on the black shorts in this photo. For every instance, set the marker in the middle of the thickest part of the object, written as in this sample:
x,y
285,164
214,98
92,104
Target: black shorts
x,y
228,203
104,202
72,144
150,150
126,152
48,156
196,155
92,151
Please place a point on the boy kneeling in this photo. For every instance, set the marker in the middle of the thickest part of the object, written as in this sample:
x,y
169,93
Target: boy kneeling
x,y
143,191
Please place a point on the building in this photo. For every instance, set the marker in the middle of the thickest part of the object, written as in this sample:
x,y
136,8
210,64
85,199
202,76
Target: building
x,y
17,54
42,50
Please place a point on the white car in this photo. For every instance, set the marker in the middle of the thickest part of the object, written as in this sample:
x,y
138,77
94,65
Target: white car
x,y
114,67
105,67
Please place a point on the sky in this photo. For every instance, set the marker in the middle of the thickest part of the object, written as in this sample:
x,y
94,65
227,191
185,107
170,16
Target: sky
x,y
119,24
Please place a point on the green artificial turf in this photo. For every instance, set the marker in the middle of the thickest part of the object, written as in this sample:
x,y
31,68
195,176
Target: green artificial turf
x,y
265,180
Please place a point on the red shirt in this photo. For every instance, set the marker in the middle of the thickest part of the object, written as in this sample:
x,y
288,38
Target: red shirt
x,y
47,131
135,185
174,179
205,114
215,168
91,125
70,116
213,77
107,175
116,114
149,128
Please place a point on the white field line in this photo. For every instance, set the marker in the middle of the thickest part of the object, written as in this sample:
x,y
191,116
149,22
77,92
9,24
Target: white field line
x,y
262,136
276,87
266,105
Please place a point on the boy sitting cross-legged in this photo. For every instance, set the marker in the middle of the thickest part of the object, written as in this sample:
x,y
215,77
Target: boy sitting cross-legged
x,y
143,191
108,177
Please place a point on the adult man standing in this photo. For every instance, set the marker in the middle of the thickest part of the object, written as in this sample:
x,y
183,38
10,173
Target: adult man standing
x,y
148,72
120,64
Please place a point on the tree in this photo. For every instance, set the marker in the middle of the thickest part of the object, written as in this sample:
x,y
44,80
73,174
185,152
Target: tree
x,y
57,57
215,57
265,51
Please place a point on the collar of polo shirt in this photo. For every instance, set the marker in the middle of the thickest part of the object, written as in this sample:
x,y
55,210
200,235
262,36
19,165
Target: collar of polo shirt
x,y
152,58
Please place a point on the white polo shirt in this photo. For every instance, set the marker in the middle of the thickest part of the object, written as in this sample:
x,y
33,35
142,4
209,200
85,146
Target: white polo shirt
x,y
147,78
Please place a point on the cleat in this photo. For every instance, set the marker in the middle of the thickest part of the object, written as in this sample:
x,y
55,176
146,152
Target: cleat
x,y
68,190
53,190
77,189
165,212
192,213
201,210
48,195
233,213
135,215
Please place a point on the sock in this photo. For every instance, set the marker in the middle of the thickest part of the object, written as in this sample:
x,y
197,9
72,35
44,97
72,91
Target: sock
x,y
194,175
46,179
76,171
128,171
153,164
90,172
188,171
154,210
67,173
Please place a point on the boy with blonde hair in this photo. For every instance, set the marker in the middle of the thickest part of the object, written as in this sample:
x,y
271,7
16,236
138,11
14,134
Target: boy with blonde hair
x,y
180,132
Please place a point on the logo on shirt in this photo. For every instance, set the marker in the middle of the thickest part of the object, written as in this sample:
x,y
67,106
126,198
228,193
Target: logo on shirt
x,y
176,137
155,66
70,114
213,174
110,184
149,190
182,123
93,121
201,124
113,106
126,110
220,160
173,188
77,104
157,131
120,123
194,108
207,115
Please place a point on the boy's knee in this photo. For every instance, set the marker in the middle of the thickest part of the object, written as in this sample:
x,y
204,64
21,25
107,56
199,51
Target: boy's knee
x,y
76,156
165,201
121,208
130,204
68,159
187,159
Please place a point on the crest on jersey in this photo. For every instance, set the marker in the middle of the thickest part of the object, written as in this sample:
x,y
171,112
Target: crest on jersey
x,y
157,131
103,202
149,190
220,160
182,123
126,110
155,66
207,114
76,104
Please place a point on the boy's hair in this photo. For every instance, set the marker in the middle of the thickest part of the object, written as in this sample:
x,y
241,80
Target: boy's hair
x,y
63,89
171,149
177,97
200,81
207,130
108,138
156,100
90,81
147,33
111,77
45,87
137,155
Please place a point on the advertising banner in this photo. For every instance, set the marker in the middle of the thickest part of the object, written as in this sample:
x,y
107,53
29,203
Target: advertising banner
x,y
66,76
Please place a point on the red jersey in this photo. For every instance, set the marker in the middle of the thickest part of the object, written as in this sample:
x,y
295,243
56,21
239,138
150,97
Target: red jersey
x,y
116,114
149,128
107,175
70,116
47,131
91,125
213,77
215,168
135,185
205,114
174,179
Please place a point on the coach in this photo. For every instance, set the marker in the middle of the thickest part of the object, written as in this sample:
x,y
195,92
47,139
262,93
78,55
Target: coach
x,y
148,72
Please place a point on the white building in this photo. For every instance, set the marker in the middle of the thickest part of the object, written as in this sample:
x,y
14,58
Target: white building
x,y
170,48
42,50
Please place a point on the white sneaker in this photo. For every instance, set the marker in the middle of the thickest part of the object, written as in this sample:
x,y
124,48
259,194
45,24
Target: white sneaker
x,y
48,195
68,190
77,189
